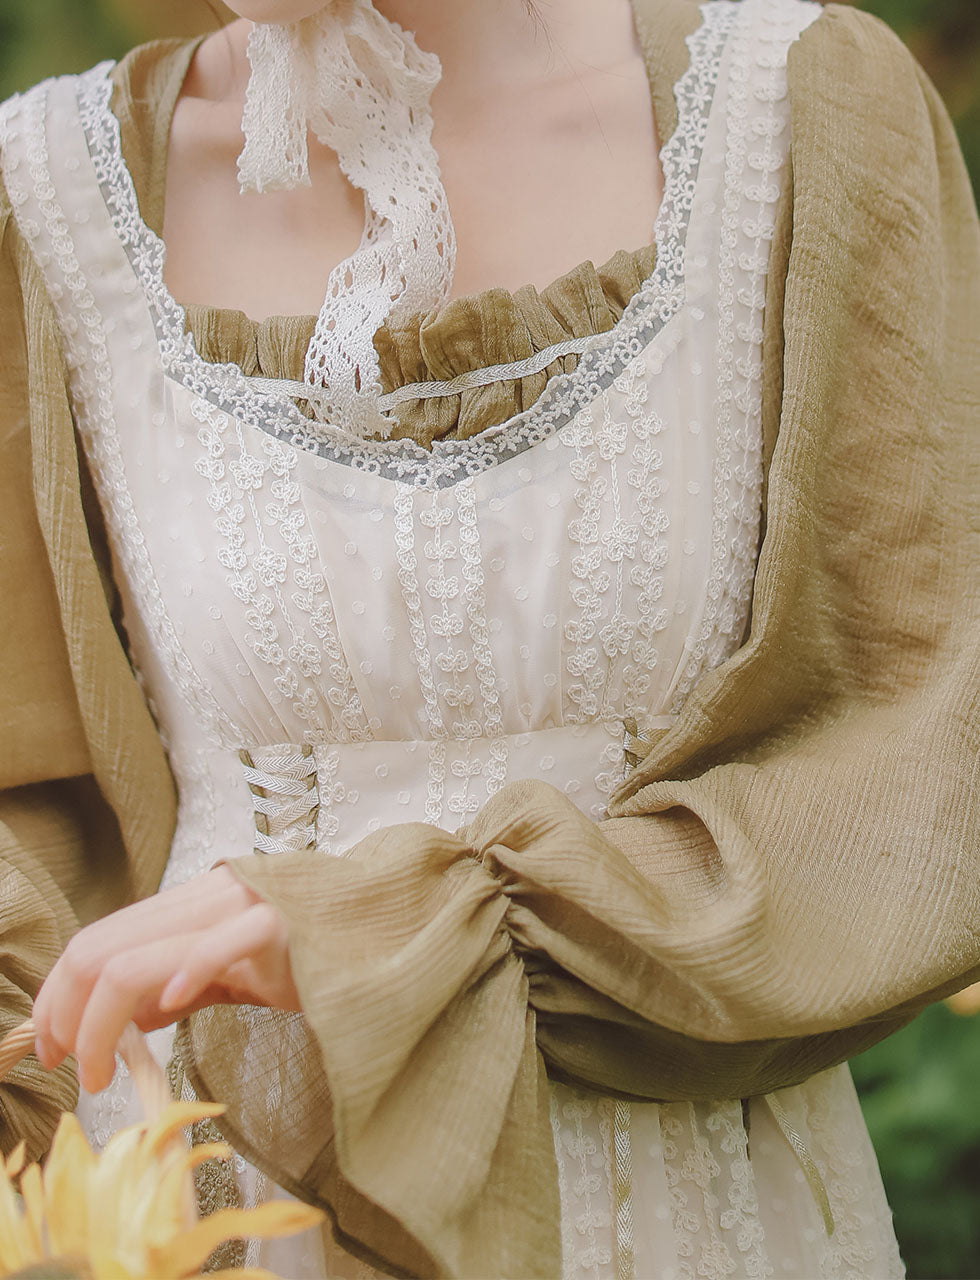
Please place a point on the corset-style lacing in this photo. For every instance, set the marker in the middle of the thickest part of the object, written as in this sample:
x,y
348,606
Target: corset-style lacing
x,y
284,792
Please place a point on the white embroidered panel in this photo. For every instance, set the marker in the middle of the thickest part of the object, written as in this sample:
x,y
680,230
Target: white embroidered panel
x,y
430,626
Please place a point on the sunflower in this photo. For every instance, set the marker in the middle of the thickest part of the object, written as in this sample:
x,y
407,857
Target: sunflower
x,y
127,1213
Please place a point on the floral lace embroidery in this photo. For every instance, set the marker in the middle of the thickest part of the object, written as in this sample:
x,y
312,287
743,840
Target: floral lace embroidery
x,y
710,1228
475,604
411,596
605,1114
443,675
754,158
740,1221
446,625
475,601
612,649
588,1254
332,792
646,545
436,781
863,1243
84,333
592,580
658,301
261,572
408,581
702,1168
568,1267
616,549
685,1220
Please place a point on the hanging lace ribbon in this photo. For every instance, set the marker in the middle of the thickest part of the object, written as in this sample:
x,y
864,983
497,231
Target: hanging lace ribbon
x,y
364,88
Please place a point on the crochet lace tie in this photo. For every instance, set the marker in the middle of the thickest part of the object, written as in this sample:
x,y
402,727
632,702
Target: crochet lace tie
x,y
363,86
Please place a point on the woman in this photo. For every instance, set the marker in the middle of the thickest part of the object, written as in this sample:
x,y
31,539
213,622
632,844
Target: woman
x,y
411,563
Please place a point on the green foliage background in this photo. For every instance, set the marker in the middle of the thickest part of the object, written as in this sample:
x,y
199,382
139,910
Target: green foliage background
x,y
920,1088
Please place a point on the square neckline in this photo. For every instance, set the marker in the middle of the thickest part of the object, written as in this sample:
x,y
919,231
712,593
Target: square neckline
x,y
152,203
270,406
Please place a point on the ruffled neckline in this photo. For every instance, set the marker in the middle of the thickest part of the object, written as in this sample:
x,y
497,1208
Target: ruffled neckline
x,y
484,329
488,328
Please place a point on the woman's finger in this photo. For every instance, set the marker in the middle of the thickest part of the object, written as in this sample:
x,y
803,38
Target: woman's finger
x,y
128,981
59,1004
58,1008
132,984
216,950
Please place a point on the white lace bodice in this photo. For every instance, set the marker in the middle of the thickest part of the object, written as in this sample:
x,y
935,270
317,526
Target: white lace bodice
x,y
405,631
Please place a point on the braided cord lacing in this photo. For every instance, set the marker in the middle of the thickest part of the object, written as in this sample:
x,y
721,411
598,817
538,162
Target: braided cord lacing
x,y
285,797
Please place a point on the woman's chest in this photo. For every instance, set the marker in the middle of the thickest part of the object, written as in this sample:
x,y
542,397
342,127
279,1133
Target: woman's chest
x,y
537,179
586,560
556,573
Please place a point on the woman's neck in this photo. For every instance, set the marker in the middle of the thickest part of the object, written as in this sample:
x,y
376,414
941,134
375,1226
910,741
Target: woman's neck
x,y
485,46
546,143
489,45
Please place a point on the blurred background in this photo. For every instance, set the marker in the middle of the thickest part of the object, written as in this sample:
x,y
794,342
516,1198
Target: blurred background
x,y
920,1089
41,37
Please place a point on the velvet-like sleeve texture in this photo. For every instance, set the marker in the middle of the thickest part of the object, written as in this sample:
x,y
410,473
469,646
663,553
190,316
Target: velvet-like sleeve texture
x,y
86,800
794,870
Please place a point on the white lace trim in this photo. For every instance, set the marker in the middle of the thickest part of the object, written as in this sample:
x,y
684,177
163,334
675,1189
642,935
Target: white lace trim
x,y
863,1243
332,792
449,461
408,581
740,1220
87,355
269,554
475,605
587,1168
621,547
439,390
753,160
364,87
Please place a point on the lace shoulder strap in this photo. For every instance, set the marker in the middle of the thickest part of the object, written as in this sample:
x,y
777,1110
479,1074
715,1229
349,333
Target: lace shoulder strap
x,y
663,27
45,165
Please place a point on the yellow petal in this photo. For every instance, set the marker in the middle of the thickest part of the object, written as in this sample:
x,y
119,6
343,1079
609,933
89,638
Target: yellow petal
x,y
16,1160
167,1204
33,1193
108,1192
15,1235
158,1206
65,1170
267,1222
176,1117
208,1151
236,1274
70,1137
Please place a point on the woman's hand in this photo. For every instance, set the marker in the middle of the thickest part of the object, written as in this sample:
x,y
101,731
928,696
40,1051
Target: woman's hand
x,y
211,941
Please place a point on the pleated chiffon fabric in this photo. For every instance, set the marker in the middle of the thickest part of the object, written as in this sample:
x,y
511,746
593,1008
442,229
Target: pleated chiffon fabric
x,y
790,874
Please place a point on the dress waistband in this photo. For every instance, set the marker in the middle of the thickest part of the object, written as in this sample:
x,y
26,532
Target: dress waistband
x,y
328,795
299,792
